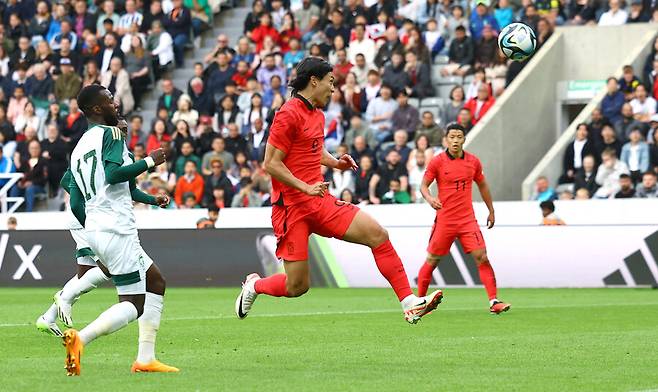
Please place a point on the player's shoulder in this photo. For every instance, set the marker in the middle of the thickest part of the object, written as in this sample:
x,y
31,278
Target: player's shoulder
x,y
471,158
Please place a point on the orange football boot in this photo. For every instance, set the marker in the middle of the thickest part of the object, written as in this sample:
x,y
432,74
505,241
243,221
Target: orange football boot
x,y
499,307
73,345
154,366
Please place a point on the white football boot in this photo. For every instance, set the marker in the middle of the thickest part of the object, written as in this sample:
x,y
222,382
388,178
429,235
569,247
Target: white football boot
x,y
247,296
422,306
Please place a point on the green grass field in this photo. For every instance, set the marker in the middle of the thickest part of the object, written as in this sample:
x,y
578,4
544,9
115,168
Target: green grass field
x,y
352,339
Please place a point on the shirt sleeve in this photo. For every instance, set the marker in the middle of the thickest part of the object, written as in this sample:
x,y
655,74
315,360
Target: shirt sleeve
x,y
113,146
281,131
478,176
431,173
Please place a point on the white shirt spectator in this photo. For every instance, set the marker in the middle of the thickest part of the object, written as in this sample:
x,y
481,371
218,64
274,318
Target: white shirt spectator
x,y
415,179
372,91
165,49
126,41
366,46
578,146
612,18
634,158
126,20
648,107
409,10
362,74
105,63
379,107
608,179
341,181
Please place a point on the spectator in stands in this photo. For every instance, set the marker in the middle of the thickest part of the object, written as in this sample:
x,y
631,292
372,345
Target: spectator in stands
x,y
242,75
137,67
361,44
574,155
628,82
337,27
644,106
205,136
219,74
479,78
380,112
185,112
419,80
548,213
613,101
294,55
400,139
395,74
481,18
218,151
624,126
39,87
652,78
169,98
416,44
626,190
586,176
481,104
228,113
352,93
108,13
268,70
178,24
181,135
341,67
73,125
362,179
460,54
503,13
609,141
35,175
110,51
434,36
136,134
24,54
38,27
200,13
405,116
186,155
358,129
257,140
244,53
255,110
395,194
465,119
161,46
202,101
55,154
244,99
68,83
637,13
189,181
218,187
615,16
530,16
264,29
235,142
582,12
430,129
486,48
154,14
246,197
392,169
252,20
27,119
450,110
288,33
456,19
607,176
16,104
308,19
635,154
390,46
582,194
91,73
647,188
543,192
117,81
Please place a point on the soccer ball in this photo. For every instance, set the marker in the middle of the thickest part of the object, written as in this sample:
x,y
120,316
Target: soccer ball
x,y
517,41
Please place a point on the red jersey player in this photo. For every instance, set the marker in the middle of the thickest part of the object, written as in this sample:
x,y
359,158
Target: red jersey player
x,y
455,171
301,204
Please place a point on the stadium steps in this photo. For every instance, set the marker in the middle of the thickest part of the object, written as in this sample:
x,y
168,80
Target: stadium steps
x,y
230,22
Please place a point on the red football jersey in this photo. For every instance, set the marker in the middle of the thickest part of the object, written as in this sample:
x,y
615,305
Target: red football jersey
x,y
454,178
297,130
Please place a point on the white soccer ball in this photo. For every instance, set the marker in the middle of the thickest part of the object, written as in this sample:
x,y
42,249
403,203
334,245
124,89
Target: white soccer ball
x,y
517,41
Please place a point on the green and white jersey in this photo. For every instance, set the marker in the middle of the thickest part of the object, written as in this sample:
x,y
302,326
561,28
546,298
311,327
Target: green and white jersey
x,y
109,208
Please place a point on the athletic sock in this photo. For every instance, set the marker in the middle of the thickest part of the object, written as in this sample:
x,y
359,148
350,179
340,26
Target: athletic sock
x,y
149,323
111,320
390,266
424,278
274,285
51,314
488,279
87,282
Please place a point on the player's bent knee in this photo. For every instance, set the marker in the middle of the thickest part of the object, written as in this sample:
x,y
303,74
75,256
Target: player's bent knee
x,y
379,236
433,259
297,289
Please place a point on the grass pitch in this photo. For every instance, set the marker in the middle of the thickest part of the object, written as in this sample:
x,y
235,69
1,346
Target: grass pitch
x,y
351,339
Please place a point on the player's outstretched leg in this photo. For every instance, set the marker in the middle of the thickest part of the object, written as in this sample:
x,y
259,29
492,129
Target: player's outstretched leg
x,y
149,323
366,231
488,279
89,277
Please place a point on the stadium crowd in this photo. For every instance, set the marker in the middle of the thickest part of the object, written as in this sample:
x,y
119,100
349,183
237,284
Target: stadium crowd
x,y
391,60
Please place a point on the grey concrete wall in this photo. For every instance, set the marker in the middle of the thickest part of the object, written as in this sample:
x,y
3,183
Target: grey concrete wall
x,y
642,36
518,131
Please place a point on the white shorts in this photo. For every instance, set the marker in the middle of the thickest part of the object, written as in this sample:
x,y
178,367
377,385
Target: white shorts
x,y
124,257
83,253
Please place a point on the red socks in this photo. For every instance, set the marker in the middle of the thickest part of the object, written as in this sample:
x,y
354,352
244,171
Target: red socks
x,y
424,278
488,279
274,285
390,266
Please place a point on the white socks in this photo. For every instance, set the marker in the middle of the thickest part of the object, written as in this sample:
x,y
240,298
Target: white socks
x,y
493,301
89,281
51,314
408,301
111,320
149,323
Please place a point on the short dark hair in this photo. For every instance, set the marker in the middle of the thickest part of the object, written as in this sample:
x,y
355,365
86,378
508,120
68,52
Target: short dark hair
x,y
134,116
610,78
547,205
453,126
460,28
307,68
624,175
213,208
649,173
88,97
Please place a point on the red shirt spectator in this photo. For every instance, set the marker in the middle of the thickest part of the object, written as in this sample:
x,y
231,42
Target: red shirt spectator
x,y
242,75
265,29
288,32
190,182
478,106
158,136
342,67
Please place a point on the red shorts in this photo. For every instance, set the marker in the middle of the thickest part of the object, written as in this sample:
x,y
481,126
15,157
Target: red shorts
x,y
327,216
443,235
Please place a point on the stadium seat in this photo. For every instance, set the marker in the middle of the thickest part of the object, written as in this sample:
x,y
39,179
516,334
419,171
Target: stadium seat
x,y
441,60
415,102
443,91
431,102
433,109
451,80
468,79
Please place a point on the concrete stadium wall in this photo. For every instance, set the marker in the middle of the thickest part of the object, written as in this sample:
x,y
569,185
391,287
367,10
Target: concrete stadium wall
x,y
643,35
516,133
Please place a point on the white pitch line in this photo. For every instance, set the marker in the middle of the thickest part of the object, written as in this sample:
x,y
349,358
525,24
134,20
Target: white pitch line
x,y
371,311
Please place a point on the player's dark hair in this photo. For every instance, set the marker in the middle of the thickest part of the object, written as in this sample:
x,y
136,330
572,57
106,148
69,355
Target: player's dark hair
x,y
88,97
307,68
547,205
453,126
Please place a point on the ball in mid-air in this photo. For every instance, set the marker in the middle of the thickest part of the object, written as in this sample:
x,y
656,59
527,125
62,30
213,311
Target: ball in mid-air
x,y
517,41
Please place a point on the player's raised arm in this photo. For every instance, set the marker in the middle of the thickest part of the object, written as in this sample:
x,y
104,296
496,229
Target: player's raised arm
x,y
115,173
